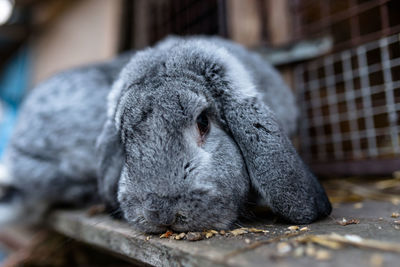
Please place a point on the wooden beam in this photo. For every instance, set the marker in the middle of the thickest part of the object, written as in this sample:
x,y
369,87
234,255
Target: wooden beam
x,y
141,24
86,32
296,52
279,22
247,249
244,21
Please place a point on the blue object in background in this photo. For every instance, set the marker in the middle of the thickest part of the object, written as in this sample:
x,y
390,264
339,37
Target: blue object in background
x,y
2,256
13,84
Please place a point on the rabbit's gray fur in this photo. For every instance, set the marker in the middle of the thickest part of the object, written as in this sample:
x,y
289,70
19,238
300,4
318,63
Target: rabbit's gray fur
x,y
140,145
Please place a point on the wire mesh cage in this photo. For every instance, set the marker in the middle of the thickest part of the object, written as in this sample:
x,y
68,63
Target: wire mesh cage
x,y
349,22
350,99
187,17
350,104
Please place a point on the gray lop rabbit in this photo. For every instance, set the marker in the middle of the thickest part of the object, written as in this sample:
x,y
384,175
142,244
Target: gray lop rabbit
x,y
176,136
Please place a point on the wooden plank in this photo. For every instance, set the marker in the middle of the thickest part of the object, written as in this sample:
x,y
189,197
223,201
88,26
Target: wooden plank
x,y
141,23
296,52
279,22
244,21
120,238
84,33
279,30
251,249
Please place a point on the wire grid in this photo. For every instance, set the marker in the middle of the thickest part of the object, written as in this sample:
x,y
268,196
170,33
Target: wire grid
x,y
349,22
350,103
187,17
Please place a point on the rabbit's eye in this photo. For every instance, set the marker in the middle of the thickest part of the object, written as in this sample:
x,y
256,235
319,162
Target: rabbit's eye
x,y
203,124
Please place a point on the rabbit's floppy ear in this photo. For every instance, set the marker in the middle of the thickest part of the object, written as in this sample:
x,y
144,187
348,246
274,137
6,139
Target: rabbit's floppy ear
x,y
110,161
110,151
275,169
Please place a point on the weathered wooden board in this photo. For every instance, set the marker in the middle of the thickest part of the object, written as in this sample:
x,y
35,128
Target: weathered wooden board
x,y
118,237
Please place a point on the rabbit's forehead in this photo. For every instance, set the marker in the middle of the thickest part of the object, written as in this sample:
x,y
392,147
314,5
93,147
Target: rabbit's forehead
x,y
169,95
167,98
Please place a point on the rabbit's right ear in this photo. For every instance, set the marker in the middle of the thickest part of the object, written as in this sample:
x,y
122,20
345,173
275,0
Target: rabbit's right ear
x,y
110,152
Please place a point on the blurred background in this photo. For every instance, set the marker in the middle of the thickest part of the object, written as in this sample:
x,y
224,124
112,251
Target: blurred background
x,y
342,58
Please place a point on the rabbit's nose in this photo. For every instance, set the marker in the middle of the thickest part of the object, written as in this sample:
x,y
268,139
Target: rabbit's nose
x,y
159,217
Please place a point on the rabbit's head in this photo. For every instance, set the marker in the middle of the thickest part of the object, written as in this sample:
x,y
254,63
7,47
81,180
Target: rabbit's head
x,y
187,136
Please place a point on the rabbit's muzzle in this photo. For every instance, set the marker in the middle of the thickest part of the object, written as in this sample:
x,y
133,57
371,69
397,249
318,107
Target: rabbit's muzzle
x,y
159,217
159,211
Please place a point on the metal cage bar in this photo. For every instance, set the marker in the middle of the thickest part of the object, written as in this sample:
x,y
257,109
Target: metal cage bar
x,y
350,104
350,22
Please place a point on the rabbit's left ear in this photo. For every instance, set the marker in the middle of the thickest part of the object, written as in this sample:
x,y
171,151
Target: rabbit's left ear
x,y
275,169
110,155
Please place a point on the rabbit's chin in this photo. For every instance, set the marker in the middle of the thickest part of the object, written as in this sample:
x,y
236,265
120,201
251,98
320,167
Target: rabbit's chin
x,y
140,224
157,229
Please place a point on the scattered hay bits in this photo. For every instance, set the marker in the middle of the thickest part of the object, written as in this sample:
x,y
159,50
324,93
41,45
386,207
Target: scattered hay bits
x,y
255,230
293,228
180,236
167,234
194,236
148,238
353,238
304,229
222,232
345,222
395,215
336,241
395,201
299,252
320,240
210,233
397,222
310,250
283,248
353,221
247,241
358,205
239,231
323,255
376,260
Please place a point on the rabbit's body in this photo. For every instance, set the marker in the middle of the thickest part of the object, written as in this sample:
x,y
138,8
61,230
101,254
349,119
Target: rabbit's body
x,y
53,155
53,145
